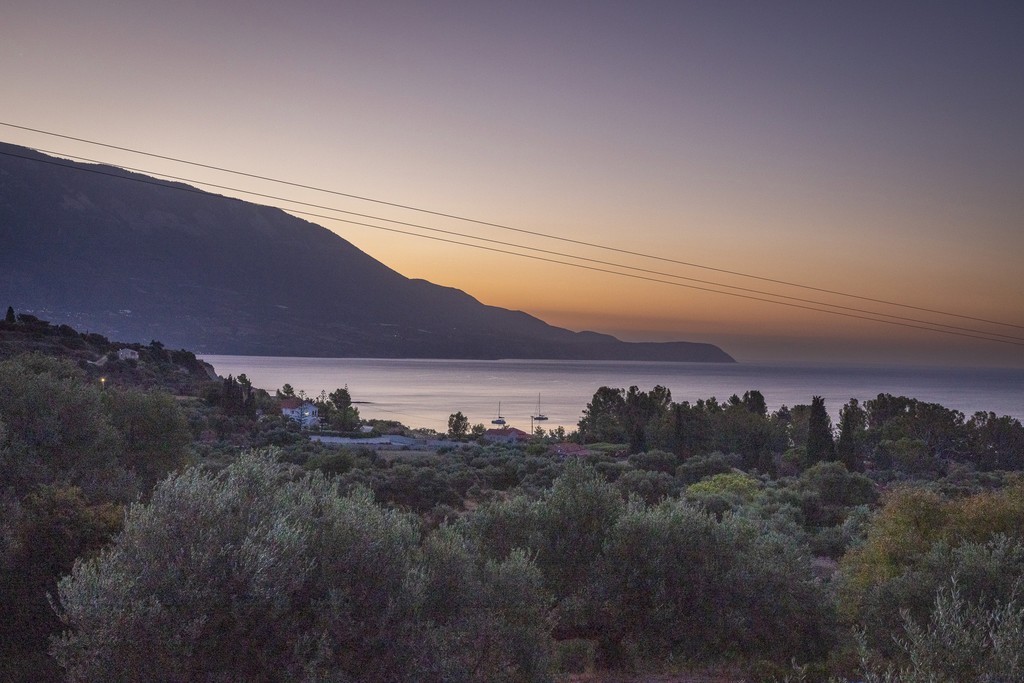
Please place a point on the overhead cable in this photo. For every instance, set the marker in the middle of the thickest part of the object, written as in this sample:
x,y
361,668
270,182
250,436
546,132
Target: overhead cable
x,y
903,322
500,226
539,250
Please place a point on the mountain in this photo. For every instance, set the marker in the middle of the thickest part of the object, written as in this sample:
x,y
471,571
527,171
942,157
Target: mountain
x,y
136,258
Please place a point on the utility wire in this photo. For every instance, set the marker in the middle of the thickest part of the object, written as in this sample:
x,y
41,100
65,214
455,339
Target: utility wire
x,y
513,229
539,250
977,334
980,334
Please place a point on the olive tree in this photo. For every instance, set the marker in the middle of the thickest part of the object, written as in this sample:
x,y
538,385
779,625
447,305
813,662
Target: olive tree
x,y
260,573
676,581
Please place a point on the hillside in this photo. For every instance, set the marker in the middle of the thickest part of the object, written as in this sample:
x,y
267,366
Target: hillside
x,y
135,258
149,366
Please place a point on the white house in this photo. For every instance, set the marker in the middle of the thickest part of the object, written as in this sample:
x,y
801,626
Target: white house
x,y
303,412
127,354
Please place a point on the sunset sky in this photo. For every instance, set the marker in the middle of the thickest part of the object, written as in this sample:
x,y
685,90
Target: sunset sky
x,y
875,149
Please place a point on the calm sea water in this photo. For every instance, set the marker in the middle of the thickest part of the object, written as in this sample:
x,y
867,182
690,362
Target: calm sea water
x,y
423,393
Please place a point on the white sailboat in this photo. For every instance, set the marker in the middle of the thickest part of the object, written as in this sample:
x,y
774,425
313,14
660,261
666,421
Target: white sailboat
x,y
498,420
539,417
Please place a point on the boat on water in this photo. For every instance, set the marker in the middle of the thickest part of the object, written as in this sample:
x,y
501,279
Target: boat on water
x,y
539,417
498,420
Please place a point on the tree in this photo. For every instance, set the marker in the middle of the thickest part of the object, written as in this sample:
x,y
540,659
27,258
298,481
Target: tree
x,y
738,484
57,427
750,434
287,391
345,416
918,542
11,318
798,419
341,398
576,515
254,574
688,430
753,401
155,437
53,526
458,426
819,433
601,419
639,413
233,397
674,582
853,421
962,641
997,442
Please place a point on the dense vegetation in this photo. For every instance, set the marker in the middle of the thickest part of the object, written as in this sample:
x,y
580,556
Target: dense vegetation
x,y
162,529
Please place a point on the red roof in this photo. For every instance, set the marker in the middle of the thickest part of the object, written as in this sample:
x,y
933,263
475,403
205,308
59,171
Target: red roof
x,y
506,432
291,403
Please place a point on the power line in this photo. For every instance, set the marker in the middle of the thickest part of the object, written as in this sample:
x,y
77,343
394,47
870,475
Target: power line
x,y
1015,341
500,226
545,251
934,327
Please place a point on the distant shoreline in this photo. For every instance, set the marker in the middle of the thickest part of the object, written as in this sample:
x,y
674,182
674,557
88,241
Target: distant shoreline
x,y
424,392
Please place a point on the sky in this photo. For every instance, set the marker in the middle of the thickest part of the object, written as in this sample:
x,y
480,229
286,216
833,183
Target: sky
x,y
873,149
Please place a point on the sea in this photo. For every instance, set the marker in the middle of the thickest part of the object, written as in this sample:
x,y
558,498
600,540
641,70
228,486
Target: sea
x,y
424,393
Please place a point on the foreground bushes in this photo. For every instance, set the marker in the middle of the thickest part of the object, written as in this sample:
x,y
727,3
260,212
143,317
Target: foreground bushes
x,y
266,571
962,641
664,582
262,573
254,575
917,543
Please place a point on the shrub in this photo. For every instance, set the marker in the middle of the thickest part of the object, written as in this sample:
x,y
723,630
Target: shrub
x,y
674,581
703,466
652,487
962,641
259,573
736,484
655,461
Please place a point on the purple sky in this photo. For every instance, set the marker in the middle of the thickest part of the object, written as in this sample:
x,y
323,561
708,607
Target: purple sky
x,y
870,148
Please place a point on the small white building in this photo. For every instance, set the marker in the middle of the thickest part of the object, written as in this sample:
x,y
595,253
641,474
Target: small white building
x,y
127,354
303,412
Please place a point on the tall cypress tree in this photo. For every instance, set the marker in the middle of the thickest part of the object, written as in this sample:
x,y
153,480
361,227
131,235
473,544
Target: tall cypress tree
x,y
853,420
819,433
10,315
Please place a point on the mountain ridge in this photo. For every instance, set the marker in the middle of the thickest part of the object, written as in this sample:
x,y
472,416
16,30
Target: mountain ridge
x,y
163,260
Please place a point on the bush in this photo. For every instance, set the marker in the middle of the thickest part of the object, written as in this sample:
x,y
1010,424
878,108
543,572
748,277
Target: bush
x,y
737,484
260,573
655,461
675,582
962,641
701,467
986,574
652,487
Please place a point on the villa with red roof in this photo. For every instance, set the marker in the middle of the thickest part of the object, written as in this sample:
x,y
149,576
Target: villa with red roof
x,y
303,412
